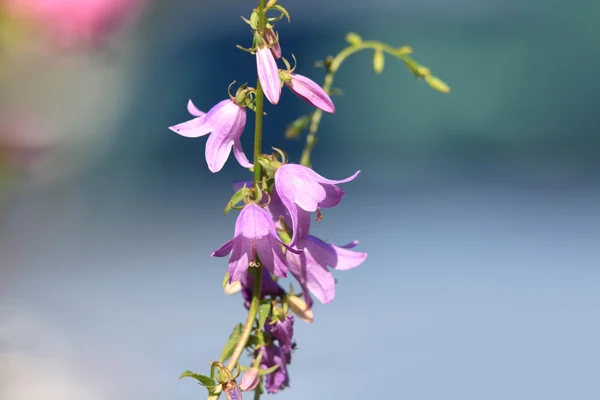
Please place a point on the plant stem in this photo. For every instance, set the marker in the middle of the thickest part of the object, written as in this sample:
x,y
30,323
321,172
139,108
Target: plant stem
x,y
239,348
260,102
253,311
332,68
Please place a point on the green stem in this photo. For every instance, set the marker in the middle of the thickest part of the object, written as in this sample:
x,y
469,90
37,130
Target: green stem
x,y
332,67
254,303
252,312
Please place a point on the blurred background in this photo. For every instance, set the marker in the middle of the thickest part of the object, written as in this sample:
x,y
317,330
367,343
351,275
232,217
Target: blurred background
x,y
480,210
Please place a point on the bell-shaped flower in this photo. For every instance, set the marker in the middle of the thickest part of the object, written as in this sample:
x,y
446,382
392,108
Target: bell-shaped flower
x,y
255,240
302,189
278,379
283,331
225,122
268,74
310,92
310,266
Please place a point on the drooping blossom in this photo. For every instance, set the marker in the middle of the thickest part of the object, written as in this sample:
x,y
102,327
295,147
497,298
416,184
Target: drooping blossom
x,y
76,22
278,379
268,73
225,122
268,286
255,239
302,189
283,331
310,92
272,40
310,266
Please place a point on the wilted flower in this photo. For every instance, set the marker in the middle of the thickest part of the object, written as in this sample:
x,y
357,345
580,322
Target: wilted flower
x,y
279,378
226,122
249,380
268,73
302,189
273,40
310,267
283,330
255,239
310,92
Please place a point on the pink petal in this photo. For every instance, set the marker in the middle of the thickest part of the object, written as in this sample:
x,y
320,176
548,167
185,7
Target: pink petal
x,y
268,74
192,109
310,92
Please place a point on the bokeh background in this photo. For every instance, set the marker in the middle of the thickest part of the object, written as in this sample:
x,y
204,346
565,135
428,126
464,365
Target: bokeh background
x,y
480,210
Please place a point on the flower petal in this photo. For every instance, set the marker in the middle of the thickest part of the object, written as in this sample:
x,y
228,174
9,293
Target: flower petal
x,y
193,128
223,250
239,154
192,109
227,126
327,254
310,92
240,258
312,276
270,255
268,73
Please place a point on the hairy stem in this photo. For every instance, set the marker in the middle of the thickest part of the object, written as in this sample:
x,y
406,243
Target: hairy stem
x,y
253,311
332,67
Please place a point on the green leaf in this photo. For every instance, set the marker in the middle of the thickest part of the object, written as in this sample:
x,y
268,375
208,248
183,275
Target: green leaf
x,y
235,199
204,380
283,12
263,372
263,313
231,342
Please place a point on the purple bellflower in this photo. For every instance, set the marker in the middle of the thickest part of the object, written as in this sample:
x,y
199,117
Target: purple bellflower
x,y
278,379
310,92
268,74
225,122
310,267
255,239
302,189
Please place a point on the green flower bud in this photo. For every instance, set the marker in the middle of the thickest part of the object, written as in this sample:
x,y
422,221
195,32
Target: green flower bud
x,y
437,84
378,61
353,38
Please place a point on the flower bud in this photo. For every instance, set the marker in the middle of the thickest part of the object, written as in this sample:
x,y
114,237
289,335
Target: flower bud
x,y
249,380
300,308
437,84
378,61
233,288
353,38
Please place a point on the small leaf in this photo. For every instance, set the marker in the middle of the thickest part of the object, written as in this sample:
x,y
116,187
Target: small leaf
x,y
204,380
283,12
378,61
235,199
263,372
295,128
231,342
437,84
353,38
263,313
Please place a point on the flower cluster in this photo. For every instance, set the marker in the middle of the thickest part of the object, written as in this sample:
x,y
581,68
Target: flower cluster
x,y
272,231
